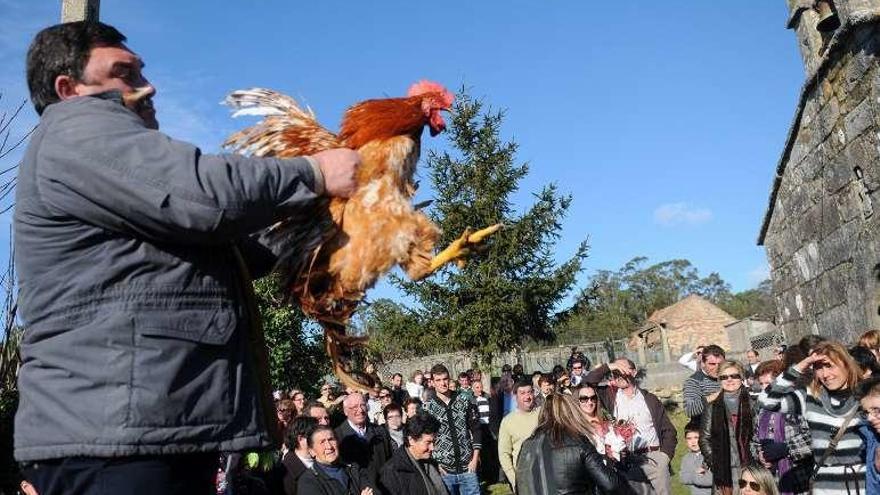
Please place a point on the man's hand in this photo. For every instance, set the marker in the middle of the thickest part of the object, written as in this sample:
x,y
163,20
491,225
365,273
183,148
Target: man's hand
x,y
339,167
475,460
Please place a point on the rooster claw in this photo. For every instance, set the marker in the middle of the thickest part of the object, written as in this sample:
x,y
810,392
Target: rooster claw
x,y
461,247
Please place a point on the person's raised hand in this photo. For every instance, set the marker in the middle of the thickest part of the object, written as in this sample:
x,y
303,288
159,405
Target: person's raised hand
x,y
808,362
339,167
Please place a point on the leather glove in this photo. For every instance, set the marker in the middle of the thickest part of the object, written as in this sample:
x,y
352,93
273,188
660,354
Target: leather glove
x,y
773,451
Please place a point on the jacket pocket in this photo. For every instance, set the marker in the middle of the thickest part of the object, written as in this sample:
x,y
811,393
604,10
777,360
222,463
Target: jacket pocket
x,y
184,368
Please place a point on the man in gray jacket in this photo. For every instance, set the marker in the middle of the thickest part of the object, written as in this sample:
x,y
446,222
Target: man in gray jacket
x,y
142,356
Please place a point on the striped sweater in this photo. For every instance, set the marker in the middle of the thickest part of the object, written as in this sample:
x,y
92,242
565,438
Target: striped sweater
x,y
695,390
843,471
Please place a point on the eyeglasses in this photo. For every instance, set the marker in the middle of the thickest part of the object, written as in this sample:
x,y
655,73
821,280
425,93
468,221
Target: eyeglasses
x,y
384,396
751,484
588,398
393,416
873,412
735,376
577,367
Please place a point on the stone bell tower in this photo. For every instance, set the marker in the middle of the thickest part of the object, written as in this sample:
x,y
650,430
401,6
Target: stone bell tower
x,y
822,226
80,10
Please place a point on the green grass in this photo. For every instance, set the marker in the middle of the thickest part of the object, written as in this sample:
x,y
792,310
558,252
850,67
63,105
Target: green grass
x,y
679,420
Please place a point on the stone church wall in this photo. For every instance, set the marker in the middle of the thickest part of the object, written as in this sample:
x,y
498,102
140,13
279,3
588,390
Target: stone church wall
x,y
822,233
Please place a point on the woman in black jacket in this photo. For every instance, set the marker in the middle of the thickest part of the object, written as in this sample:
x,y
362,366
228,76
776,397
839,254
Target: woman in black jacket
x,y
726,429
560,459
328,476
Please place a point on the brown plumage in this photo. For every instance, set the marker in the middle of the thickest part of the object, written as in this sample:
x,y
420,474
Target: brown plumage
x,y
330,257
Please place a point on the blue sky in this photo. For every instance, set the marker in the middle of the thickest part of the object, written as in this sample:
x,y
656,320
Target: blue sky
x,y
665,120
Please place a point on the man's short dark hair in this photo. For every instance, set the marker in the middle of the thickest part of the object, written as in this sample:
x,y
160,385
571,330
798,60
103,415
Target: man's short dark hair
x,y
439,369
464,374
391,408
713,350
63,50
301,426
691,427
522,383
420,424
396,375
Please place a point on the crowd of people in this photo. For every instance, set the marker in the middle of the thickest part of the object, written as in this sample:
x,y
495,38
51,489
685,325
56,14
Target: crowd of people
x,y
804,421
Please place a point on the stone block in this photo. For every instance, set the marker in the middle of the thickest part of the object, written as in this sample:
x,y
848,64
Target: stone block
x,y
859,120
808,226
831,287
854,70
864,152
837,173
847,203
838,247
806,262
834,321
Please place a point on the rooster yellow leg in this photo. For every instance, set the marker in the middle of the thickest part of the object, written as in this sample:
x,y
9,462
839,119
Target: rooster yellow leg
x,y
461,246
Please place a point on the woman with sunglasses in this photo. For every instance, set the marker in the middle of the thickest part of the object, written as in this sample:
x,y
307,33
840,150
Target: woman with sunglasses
x,y
757,480
726,428
827,402
588,399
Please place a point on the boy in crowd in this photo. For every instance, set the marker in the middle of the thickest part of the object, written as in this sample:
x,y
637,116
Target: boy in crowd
x,y
693,473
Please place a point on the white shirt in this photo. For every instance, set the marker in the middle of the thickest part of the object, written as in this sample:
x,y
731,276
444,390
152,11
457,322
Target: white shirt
x,y
360,431
635,409
688,360
307,461
414,390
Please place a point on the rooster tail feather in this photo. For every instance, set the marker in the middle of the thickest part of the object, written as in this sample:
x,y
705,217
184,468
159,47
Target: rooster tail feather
x,y
286,129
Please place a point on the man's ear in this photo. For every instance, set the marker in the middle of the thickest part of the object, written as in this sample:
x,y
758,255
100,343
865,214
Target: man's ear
x,y
65,87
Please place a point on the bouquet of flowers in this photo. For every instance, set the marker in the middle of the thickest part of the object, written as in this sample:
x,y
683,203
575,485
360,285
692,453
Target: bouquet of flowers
x,y
619,439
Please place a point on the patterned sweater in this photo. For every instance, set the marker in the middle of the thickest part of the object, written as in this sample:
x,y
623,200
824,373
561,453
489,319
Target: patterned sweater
x,y
843,471
459,433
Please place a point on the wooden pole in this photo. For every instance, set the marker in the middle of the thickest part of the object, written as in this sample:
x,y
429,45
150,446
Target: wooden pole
x,y
80,10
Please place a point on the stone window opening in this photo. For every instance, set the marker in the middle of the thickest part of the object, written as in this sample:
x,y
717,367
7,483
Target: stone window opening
x,y
867,205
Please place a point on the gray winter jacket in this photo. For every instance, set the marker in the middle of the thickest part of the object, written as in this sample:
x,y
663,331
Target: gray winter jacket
x,y
132,293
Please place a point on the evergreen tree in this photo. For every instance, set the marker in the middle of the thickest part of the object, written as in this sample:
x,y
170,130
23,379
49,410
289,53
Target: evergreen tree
x,y
509,290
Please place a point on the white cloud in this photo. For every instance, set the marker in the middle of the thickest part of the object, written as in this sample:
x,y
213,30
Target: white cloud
x,y
672,214
759,274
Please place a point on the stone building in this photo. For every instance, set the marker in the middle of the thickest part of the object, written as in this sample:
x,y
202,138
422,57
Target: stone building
x,y
670,332
821,233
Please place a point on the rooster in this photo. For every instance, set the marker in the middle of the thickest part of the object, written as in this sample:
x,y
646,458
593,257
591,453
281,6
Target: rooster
x,y
328,260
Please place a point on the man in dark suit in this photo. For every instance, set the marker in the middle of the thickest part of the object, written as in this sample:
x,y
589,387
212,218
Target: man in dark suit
x,y
360,442
297,459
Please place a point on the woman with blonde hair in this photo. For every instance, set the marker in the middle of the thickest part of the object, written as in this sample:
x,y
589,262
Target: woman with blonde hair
x,y
829,405
757,480
560,457
726,428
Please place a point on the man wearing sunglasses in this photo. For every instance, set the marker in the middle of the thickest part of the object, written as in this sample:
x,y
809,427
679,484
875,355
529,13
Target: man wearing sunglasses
x,y
577,373
655,440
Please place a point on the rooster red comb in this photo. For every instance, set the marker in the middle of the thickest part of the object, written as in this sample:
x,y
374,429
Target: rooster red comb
x,y
425,86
